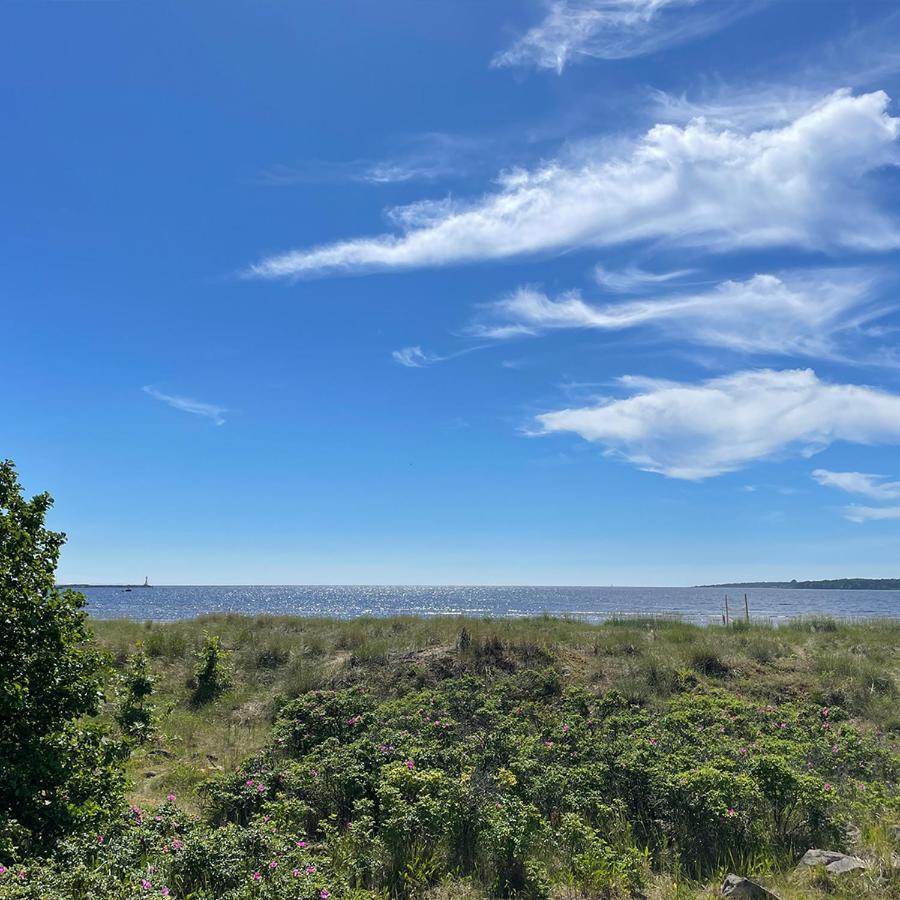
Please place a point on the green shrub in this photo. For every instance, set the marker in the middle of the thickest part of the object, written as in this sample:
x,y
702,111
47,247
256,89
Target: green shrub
x,y
212,677
134,714
57,770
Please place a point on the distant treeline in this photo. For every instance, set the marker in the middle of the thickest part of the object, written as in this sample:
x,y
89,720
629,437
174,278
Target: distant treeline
x,y
833,584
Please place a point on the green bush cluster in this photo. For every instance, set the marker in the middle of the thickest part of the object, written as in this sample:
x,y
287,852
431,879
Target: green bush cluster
x,y
495,780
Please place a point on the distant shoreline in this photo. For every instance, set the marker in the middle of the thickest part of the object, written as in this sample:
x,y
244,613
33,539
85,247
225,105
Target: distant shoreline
x,y
104,585
832,584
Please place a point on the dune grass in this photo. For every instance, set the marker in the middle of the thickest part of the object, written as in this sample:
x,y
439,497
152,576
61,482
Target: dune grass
x,y
277,658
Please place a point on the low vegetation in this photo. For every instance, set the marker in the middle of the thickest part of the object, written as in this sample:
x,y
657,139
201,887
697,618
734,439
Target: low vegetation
x,y
452,757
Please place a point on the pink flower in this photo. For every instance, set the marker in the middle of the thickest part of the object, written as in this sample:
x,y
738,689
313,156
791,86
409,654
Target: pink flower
x,y
177,845
731,812
314,773
146,885
860,786
409,764
652,742
565,728
3,870
170,798
301,844
742,751
273,864
834,748
310,870
827,786
249,782
296,873
260,787
100,839
165,892
257,876
324,893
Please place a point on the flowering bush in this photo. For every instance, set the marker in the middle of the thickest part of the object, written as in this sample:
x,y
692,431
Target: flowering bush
x,y
494,779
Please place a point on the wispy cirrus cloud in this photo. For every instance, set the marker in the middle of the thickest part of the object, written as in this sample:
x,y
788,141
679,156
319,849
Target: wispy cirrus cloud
x,y
696,431
189,405
634,280
800,314
615,29
416,358
799,185
431,156
876,487
871,513
862,58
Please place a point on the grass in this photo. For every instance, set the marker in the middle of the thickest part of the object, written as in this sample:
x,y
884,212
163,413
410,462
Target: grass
x,y
278,658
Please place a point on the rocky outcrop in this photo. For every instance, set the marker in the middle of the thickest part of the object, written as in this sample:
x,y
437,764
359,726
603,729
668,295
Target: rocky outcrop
x,y
737,888
835,863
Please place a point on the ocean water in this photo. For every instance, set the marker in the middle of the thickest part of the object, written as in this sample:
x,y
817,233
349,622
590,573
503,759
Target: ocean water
x,y
702,605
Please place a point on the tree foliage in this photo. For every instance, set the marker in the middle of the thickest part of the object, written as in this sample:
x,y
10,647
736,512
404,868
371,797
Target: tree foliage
x,y
56,770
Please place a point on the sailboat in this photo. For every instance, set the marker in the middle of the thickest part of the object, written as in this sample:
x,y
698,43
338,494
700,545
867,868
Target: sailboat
x,y
146,581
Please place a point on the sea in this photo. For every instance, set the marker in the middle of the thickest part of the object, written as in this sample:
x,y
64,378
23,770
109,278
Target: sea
x,y
701,605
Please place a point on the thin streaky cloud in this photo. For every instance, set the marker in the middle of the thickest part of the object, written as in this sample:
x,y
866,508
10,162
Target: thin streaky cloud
x,y
876,487
805,314
427,157
871,513
615,29
694,431
415,357
634,280
189,405
801,185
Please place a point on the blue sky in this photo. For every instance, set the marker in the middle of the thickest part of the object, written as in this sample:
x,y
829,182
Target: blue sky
x,y
515,292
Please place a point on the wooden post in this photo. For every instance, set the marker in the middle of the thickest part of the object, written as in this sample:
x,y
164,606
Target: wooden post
x,y
746,609
726,610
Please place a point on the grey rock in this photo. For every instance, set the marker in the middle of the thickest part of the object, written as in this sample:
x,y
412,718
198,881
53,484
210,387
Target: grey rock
x,y
835,863
738,888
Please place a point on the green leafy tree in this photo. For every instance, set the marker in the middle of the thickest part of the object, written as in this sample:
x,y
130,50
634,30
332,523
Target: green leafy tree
x,y
57,770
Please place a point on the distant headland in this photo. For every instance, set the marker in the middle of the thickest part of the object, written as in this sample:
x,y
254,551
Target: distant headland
x,y
831,584
126,587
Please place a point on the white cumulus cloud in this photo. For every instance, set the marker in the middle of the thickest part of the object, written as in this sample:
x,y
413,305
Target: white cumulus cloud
x,y
695,431
800,184
614,29
799,314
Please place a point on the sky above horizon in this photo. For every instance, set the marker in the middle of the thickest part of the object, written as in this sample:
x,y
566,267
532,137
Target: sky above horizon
x,y
520,292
